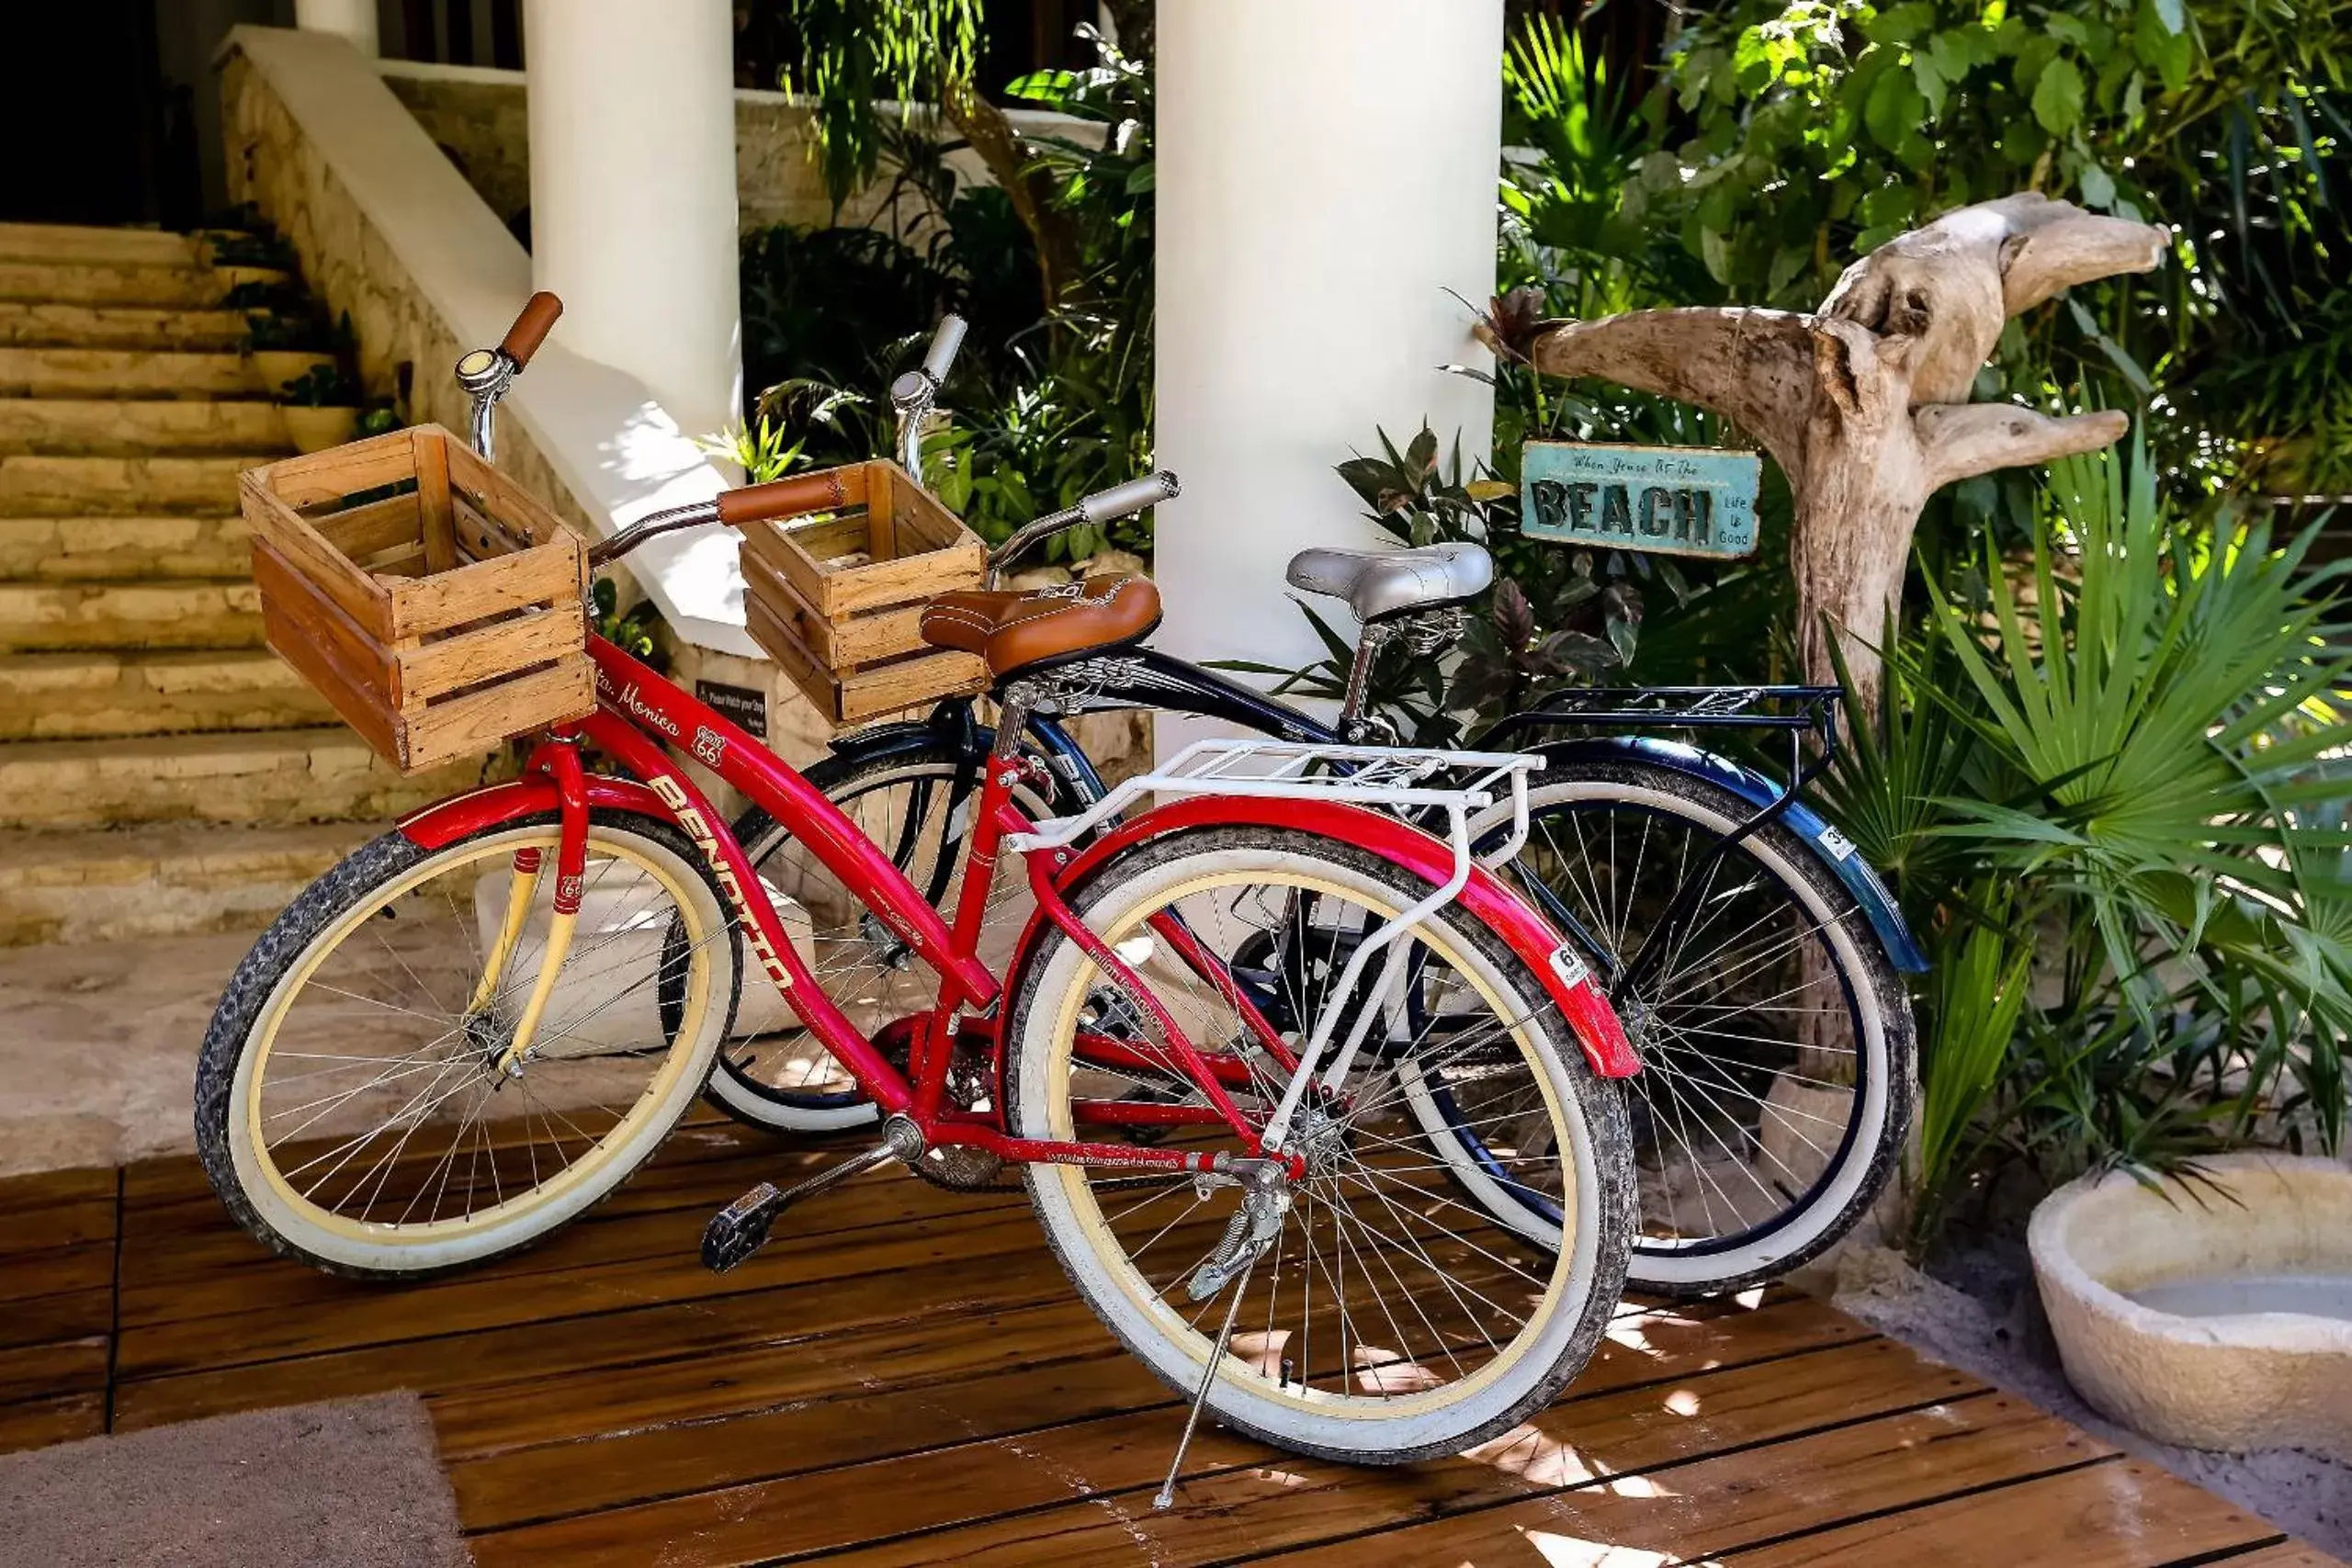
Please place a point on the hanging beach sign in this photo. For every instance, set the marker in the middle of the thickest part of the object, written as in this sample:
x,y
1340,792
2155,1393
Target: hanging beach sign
x,y
1674,500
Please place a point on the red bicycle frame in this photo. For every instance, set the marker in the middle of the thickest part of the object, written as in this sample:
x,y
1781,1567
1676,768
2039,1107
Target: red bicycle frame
x,y
636,705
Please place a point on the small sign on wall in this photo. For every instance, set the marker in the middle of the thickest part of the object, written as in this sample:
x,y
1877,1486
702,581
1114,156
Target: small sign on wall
x,y
748,708
1675,501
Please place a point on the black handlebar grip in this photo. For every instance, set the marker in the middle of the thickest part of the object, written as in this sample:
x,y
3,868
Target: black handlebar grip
x,y
531,328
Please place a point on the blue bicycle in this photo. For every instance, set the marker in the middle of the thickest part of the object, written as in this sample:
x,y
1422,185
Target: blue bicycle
x,y
1755,958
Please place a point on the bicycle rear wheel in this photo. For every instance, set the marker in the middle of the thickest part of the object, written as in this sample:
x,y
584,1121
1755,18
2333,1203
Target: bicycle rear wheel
x,y
1383,1320
1776,1041
353,1106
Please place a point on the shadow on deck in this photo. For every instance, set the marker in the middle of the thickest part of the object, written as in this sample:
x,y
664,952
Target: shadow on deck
x,y
914,1383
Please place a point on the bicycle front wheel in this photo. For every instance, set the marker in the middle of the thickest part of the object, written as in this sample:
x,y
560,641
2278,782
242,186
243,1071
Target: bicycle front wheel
x,y
1383,1320
357,1104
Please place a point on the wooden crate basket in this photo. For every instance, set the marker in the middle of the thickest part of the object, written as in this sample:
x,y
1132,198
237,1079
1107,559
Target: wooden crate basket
x,y
436,606
837,598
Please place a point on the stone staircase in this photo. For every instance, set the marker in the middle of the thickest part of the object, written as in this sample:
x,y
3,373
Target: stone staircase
x,y
160,770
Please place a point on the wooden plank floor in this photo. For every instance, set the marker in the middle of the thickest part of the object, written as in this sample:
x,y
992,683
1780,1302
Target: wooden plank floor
x,y
602,1400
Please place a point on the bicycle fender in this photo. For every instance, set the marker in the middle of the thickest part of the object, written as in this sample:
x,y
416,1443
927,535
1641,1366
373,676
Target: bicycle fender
x,y
1528,934
1074,769
887,740
1878,905
445,822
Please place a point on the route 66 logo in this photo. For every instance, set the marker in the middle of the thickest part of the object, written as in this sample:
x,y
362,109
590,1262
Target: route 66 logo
x,y
709,745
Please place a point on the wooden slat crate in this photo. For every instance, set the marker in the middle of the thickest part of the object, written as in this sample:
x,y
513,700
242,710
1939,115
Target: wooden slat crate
x,y
837,599
435,603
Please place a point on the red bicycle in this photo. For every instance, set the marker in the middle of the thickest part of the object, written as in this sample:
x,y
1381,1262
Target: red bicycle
x,y
1195,1043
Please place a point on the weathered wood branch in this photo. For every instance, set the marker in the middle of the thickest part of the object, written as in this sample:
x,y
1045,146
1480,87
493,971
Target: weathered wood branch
x,y
1864,403
1963,440
1755,367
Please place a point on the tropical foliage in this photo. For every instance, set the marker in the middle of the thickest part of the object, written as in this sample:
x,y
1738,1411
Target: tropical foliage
x,y
1044,406
2109,788
2102,782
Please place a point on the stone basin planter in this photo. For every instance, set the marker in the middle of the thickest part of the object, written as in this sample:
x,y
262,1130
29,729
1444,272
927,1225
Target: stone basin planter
x,y
2204,1322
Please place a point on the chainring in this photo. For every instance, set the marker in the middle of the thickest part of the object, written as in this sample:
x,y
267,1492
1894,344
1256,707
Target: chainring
x,y
959,1168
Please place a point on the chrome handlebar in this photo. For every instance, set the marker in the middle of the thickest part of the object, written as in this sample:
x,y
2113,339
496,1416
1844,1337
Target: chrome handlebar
x,y
1102,507
486,372
914,394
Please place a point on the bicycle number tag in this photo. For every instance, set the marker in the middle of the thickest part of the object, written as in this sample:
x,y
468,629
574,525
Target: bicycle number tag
x,y
1673,501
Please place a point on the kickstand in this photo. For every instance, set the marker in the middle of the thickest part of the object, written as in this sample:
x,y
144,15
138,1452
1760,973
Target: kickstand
x,y
1166,1495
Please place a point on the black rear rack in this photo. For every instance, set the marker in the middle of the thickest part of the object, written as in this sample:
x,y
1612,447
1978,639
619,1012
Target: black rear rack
x,y
1809,709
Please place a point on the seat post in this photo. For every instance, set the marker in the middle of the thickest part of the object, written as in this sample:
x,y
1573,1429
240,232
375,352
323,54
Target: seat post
x,y
1353,727
1014,705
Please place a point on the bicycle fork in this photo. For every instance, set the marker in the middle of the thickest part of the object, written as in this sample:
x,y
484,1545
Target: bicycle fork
x,y
571,873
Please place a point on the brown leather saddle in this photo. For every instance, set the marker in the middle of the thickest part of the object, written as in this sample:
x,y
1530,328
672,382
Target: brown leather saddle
x,y
1019,628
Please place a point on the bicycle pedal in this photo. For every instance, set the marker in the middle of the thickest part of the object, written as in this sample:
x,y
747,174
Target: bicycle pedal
x,y
742,1228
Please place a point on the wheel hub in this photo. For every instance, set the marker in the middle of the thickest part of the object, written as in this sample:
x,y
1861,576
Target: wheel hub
x,y
1322,1138
488,1039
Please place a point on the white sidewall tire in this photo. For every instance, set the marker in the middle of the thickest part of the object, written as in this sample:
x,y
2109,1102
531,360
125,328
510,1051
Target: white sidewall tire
x,y
1882,1011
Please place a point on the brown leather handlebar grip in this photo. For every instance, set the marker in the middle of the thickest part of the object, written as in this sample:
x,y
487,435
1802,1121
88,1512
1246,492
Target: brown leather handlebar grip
x,y
783,498
531,328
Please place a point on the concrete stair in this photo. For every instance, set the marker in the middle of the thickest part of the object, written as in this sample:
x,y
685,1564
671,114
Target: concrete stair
x,y
248,428
106,549
37,484
278,778
159,881
172,613
92,694
123,247
161,770
121,372
40,324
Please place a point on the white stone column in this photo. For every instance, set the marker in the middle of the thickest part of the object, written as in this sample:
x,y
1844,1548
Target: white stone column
x,y
632,127
1326,175
351,19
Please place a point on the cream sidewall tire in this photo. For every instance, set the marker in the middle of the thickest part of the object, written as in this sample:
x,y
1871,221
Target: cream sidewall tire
x,y
1585,1281
392,1249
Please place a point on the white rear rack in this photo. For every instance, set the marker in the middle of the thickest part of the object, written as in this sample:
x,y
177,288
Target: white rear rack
x,y
1417,783
1409,780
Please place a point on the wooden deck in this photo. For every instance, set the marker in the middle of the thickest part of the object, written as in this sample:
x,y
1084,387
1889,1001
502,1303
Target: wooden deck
x,y
602,1400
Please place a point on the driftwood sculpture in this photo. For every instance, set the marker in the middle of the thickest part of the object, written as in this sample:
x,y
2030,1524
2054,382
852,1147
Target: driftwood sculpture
x,y
1863,402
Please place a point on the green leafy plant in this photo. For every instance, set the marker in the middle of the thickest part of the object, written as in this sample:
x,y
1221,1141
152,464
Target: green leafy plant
x,y
1042,408
1980,980
630,631
320,386
2167,709
262,248
379,419
758,448
2111,773
854,54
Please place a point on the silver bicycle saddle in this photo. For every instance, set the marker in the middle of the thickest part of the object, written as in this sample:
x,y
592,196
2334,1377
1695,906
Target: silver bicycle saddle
x,y
1390,583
